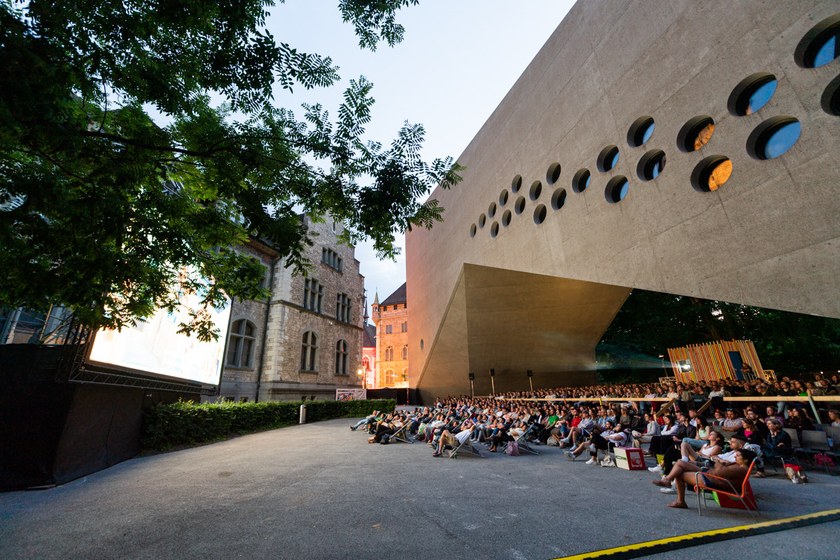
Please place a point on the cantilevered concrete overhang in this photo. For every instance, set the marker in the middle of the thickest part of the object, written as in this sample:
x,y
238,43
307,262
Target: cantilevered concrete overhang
x,y
527,267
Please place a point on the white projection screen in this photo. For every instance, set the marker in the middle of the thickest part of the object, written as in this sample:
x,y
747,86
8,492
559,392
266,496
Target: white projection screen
x,y
155,347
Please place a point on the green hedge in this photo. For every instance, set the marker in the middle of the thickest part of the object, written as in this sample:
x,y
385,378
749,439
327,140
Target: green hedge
x,y
186,423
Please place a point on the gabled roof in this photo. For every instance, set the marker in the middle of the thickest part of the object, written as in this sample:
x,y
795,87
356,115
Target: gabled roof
x,y
397,297
369,340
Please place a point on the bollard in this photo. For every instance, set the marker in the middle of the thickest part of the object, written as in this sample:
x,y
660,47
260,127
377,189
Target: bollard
x,y
303,414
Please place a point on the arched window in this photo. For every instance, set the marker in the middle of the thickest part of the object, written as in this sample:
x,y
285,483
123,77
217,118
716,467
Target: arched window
x,y
241,344
341,357
390,380
366,363
389,354
309,352
405,352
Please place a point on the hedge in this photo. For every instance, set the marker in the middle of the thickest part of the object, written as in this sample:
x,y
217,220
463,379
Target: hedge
x,y
186,423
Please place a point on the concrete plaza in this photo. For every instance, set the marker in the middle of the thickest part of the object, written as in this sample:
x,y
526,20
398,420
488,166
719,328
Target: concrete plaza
x,y
320,491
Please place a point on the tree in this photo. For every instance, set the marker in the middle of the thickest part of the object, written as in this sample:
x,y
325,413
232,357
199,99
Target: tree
x,y
118,172
651,322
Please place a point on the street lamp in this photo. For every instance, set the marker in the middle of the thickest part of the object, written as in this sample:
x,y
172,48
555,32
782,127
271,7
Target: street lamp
x,y
472,384
493,381
361,372
530,374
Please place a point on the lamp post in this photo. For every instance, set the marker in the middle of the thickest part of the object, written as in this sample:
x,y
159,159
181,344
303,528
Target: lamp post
x,y
530,374
472,384
493,381
361,372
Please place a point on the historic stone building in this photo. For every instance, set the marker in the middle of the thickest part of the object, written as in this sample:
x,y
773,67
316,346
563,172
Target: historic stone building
x,y
369,356
391,320
306,341
683,147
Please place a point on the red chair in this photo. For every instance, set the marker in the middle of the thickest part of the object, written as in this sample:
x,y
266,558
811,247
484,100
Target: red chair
x,y
743,499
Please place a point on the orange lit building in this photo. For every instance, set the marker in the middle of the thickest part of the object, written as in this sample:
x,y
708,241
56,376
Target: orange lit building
x,y
391,320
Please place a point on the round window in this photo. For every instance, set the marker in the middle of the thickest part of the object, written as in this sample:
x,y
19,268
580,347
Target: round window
x,y
651,165
494,229
820,45
581,180
506,218
752,93
711,173
617,189
558,199
491,210
539,214
519,206
482,220
516,184
553,173
774,137
503,197
473,230
640,131
608,158
535,191
696,133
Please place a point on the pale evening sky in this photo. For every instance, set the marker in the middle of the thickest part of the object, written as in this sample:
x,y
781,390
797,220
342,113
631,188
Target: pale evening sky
x,y
458,60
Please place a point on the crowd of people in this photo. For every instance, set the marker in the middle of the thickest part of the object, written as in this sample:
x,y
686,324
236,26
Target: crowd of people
x,y
720,442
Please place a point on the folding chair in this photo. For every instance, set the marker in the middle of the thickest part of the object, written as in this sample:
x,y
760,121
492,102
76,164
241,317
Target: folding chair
x,y
467,446
402,435
745,496
524,446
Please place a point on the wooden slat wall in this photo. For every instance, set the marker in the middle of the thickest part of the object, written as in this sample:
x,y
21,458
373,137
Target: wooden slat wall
x,y
710,362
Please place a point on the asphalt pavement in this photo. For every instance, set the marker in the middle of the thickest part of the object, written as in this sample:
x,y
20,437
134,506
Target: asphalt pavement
x,y
321,491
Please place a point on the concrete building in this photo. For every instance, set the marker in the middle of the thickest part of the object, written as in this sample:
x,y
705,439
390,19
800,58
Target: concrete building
x,y
306,341
391,320
682,147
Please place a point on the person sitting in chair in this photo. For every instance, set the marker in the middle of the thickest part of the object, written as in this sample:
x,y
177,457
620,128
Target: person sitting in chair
x,y
686,473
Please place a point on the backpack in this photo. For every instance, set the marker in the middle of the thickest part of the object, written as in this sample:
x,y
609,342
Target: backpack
x,y
512,449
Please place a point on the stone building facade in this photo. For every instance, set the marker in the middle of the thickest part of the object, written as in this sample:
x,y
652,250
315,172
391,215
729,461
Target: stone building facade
x,y
306,341
391,320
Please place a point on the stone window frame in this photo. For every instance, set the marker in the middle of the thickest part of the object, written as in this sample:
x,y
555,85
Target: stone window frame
x,y
241,342
342,307
309,352
341,357
313,294
389,354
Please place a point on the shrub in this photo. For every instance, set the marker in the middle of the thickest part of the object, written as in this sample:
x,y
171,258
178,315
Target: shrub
x,y
185,423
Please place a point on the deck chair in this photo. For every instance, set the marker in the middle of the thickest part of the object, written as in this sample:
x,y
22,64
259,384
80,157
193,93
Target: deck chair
x,y
468,446
525,446
744,496
402,435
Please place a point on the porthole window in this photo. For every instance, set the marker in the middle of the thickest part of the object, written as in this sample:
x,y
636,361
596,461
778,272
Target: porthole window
x,y
506,218
830,99
494,229
608,158
651,165
820,45
774,137
640,131
519,206
422,344
581,180
491,210
503,197
473,230
553,173
516,184
752,93
617,189
535,191
696,133
558,199
539,214
482,220
711,173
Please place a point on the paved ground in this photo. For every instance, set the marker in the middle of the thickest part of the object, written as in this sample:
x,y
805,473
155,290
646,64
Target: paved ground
x,y
320,491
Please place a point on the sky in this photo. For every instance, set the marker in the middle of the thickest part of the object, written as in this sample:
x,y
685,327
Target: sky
x,y
456,63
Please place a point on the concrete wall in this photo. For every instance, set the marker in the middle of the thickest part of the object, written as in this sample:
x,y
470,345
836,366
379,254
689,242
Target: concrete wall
x,y
768,237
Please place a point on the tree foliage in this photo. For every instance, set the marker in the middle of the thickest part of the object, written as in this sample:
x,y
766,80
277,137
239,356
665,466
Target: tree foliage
x,y
118,171
650,322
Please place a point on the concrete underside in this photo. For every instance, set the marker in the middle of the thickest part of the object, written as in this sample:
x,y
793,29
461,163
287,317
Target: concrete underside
x,y
514,321
320,491
768,237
